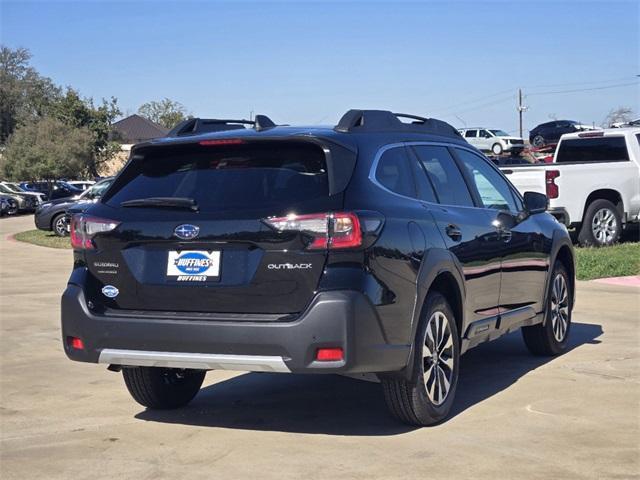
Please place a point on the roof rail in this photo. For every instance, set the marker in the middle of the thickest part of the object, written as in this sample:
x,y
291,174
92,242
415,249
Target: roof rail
x,y
196,126
384,120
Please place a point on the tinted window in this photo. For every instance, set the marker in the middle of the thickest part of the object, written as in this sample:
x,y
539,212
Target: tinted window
x,y
238,177
443,174
600,149
494,191
485,134
471,133
394,172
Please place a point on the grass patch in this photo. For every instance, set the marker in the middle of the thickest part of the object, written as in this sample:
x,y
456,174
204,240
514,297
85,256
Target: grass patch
x,y
616,261
43,239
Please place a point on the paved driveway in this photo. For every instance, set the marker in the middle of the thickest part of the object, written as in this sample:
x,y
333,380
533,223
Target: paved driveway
x,y
516,416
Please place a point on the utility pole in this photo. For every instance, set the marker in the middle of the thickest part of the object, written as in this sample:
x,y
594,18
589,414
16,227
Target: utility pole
x,y
521,109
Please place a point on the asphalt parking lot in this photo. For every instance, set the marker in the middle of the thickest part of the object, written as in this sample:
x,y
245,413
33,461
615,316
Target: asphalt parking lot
x,y
516,416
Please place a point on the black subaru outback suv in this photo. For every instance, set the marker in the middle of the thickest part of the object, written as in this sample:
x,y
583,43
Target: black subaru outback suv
x,y
385,245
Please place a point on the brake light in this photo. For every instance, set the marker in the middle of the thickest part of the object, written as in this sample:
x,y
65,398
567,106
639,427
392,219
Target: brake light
x,y
552,188
84,228
329,230
591,134
221,141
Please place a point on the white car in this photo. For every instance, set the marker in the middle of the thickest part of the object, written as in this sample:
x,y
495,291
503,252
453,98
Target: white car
x,y
493,140
15,188
593,183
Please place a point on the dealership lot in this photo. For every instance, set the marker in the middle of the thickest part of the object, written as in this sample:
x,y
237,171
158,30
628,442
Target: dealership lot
x,y
516,416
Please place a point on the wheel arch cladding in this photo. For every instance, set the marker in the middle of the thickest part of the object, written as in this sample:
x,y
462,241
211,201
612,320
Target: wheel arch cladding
x,y
438,272
565,256
562,250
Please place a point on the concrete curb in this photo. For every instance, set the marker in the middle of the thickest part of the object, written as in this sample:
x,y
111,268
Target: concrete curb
x,y
631,281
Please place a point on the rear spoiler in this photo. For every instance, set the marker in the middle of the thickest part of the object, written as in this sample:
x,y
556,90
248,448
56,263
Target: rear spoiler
x,y
197,126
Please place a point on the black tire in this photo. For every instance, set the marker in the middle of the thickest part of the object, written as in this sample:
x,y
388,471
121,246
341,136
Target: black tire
x,y
59,225
162,388
610,224
539,141
408,400
497,151
544,339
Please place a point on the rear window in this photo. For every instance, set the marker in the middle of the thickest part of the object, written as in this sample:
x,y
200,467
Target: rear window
x,y
239,177
598,149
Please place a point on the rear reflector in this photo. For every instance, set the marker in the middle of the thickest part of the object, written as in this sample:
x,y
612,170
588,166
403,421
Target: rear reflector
x,y
329,354
329,230
75,343
222,141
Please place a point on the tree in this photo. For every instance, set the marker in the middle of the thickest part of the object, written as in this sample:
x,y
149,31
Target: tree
x,y
166,112
82,113
24,94
47,149
618,115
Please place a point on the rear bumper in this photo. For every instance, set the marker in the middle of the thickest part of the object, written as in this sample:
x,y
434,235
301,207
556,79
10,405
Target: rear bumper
x,y
561,215
345,319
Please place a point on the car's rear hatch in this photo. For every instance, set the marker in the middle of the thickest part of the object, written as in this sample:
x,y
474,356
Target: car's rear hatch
x,y
192,233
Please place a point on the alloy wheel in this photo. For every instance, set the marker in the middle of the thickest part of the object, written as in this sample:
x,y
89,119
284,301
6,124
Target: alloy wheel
x,y
604,226
438,358
61,226
559,308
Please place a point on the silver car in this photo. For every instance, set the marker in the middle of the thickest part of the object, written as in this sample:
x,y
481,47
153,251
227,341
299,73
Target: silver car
x,y
493,140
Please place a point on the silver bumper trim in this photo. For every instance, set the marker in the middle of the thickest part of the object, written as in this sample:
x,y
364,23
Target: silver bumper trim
x,y
198,361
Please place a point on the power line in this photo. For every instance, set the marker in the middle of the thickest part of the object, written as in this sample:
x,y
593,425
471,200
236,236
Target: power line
x,y
584,89
619,79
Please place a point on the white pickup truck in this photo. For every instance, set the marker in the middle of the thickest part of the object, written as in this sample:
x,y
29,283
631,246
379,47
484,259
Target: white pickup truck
x,y
593,183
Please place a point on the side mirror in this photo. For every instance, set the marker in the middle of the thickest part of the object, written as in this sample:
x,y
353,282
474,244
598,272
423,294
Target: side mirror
x,y
535,202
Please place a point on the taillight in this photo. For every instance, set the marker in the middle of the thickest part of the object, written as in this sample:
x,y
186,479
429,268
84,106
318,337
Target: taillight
x,y
84,228
552,188
329,230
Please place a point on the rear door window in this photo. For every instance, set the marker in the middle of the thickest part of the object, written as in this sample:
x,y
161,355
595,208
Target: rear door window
x,y
595,149
443,175
471,134
231,177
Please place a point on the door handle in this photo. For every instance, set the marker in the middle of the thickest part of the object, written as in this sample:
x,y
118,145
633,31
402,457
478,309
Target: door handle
x,y
453,231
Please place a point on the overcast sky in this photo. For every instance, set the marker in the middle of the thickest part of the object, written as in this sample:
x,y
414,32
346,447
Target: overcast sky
x,y
307,62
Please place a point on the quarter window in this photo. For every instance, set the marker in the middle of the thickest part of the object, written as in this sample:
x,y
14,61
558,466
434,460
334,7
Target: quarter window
x,y
443,174
494,191
394,172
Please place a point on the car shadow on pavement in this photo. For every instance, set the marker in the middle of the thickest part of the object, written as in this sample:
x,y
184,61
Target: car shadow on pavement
x,y
335,405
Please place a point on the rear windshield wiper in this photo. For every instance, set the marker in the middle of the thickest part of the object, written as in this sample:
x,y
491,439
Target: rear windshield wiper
x,y
163,202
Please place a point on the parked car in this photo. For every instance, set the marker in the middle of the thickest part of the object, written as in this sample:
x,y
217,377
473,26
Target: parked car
x,y
593,183
377,246
53,191
8,205
25,201
51,216
14,187
492,140
81,184
550,132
